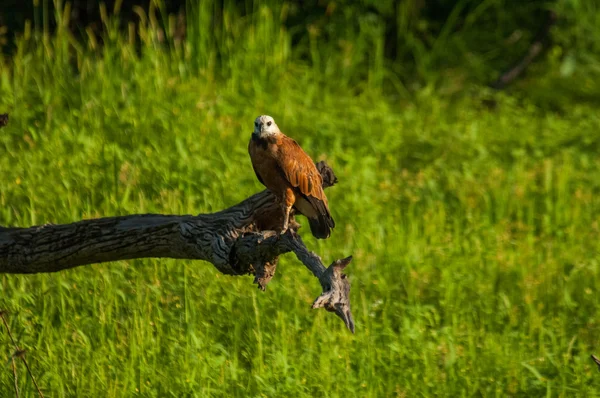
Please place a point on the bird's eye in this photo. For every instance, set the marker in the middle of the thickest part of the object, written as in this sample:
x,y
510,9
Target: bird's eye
x,y
269,123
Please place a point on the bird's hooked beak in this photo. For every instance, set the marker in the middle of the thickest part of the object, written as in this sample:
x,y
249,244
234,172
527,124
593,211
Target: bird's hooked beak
x,y
258,128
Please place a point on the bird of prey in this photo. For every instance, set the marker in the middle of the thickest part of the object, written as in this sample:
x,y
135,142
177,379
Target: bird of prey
x,y
287,171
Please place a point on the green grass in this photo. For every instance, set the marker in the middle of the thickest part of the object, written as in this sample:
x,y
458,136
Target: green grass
x,y
474,231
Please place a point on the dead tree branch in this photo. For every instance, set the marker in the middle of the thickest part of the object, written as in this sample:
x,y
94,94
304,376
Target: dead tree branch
x,y
596,360
237,241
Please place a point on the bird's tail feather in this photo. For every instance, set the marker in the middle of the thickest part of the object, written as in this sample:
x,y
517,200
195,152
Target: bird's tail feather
x,y
321,226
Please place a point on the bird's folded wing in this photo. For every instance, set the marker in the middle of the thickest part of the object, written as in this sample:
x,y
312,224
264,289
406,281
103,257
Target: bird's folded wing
x,y
299,169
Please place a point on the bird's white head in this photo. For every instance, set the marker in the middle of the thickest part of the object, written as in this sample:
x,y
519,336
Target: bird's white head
x,y
265,126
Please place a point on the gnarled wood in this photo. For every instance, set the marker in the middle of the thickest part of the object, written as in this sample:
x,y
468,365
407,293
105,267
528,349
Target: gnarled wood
x,y
237,241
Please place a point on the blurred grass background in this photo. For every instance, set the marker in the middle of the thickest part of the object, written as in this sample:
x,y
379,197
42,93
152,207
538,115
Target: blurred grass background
x,y
474,227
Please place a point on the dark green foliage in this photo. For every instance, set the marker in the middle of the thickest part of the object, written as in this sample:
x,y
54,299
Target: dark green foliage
x,y
399,45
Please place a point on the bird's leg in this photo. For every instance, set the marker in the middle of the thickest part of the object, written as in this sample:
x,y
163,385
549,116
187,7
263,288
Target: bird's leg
x,y
286,218
288,202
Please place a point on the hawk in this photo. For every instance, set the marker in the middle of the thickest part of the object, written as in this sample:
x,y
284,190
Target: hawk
x,y
287,171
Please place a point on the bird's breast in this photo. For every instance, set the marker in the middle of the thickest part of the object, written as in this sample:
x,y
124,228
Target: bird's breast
x,y
264,159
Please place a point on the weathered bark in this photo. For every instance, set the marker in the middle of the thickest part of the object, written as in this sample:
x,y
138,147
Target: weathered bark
x,y
596,360
237,241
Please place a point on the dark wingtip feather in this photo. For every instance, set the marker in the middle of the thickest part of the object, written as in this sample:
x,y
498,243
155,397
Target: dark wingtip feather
x,y
321,226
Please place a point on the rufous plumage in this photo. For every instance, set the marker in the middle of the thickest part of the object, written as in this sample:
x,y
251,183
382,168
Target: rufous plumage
x,y
286,170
